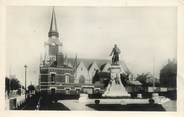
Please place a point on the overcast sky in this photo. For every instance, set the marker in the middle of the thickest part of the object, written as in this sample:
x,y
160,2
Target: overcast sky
x,y
144,35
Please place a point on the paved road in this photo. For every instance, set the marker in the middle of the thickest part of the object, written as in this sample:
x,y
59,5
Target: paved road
x,y
46,104
77,105
86,105
54,106
30,104
39,103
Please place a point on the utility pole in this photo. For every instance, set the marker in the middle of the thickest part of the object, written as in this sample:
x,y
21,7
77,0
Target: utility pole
x,y
25,66
154,73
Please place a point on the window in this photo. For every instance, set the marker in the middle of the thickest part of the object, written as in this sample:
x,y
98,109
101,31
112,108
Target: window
x,y
53,77
81,79
67,79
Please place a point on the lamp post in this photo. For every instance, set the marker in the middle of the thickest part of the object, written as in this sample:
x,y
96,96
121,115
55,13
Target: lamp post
x,y
25,66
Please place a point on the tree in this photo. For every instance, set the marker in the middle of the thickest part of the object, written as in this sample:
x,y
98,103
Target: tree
x,y
147,79
124,79
31,87
101,78
168,74
143,78
14,84
7,85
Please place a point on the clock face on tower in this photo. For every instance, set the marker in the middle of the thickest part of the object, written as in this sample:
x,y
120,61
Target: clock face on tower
x,y
51,59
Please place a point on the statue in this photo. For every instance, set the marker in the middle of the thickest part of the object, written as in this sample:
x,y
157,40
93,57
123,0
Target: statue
x,y
115,87
115,54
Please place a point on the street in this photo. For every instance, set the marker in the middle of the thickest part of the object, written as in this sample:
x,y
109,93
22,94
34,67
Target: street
x,y
40,103
76,105
31,103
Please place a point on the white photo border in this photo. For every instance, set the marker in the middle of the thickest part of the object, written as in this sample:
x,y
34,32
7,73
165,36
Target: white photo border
x,y
179,4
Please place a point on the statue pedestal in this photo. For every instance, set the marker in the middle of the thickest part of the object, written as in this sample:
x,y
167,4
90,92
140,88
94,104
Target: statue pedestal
x,y
115,87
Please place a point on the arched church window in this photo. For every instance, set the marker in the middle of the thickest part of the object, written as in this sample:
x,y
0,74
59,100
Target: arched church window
x,y
81,79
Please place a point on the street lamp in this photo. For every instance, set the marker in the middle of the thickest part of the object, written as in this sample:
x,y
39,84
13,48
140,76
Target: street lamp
x,y
25,66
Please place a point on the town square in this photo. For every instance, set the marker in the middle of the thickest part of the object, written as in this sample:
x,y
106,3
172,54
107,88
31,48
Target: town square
x,y
91,59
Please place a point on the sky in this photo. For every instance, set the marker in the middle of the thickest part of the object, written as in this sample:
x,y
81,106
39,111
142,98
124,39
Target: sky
x,y
146,36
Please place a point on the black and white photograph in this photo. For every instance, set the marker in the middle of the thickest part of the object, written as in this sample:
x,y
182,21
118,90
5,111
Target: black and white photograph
x,y
91,58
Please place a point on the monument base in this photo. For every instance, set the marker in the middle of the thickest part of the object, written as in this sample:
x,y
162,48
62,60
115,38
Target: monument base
x,y
115,87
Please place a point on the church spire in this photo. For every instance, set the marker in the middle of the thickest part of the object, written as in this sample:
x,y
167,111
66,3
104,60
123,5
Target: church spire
x,y
53,26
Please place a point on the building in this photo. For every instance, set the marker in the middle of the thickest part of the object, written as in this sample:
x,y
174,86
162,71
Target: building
x,y
105,67
82,75
59,73
54,72
88,67
93,67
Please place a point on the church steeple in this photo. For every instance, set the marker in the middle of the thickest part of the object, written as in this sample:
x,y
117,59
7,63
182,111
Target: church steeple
x,y
53,45
53,26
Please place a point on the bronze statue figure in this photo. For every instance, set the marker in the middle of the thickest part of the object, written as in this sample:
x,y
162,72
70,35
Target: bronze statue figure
x,y
115,54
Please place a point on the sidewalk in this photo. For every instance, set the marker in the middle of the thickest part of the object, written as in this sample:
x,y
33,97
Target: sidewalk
x,y
75,105
170,105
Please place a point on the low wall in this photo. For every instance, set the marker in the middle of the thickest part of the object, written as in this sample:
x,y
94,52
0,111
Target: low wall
x,y
14,102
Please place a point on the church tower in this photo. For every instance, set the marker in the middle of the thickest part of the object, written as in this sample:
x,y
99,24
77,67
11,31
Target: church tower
x,y
54,73
53,45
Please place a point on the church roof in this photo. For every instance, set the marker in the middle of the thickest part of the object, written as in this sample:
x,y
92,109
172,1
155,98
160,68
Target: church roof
x,y
90,66
99,62
87,62
94,63
102,66
124,66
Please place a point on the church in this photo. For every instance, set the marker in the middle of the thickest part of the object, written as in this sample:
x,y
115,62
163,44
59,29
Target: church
x,y
59,73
